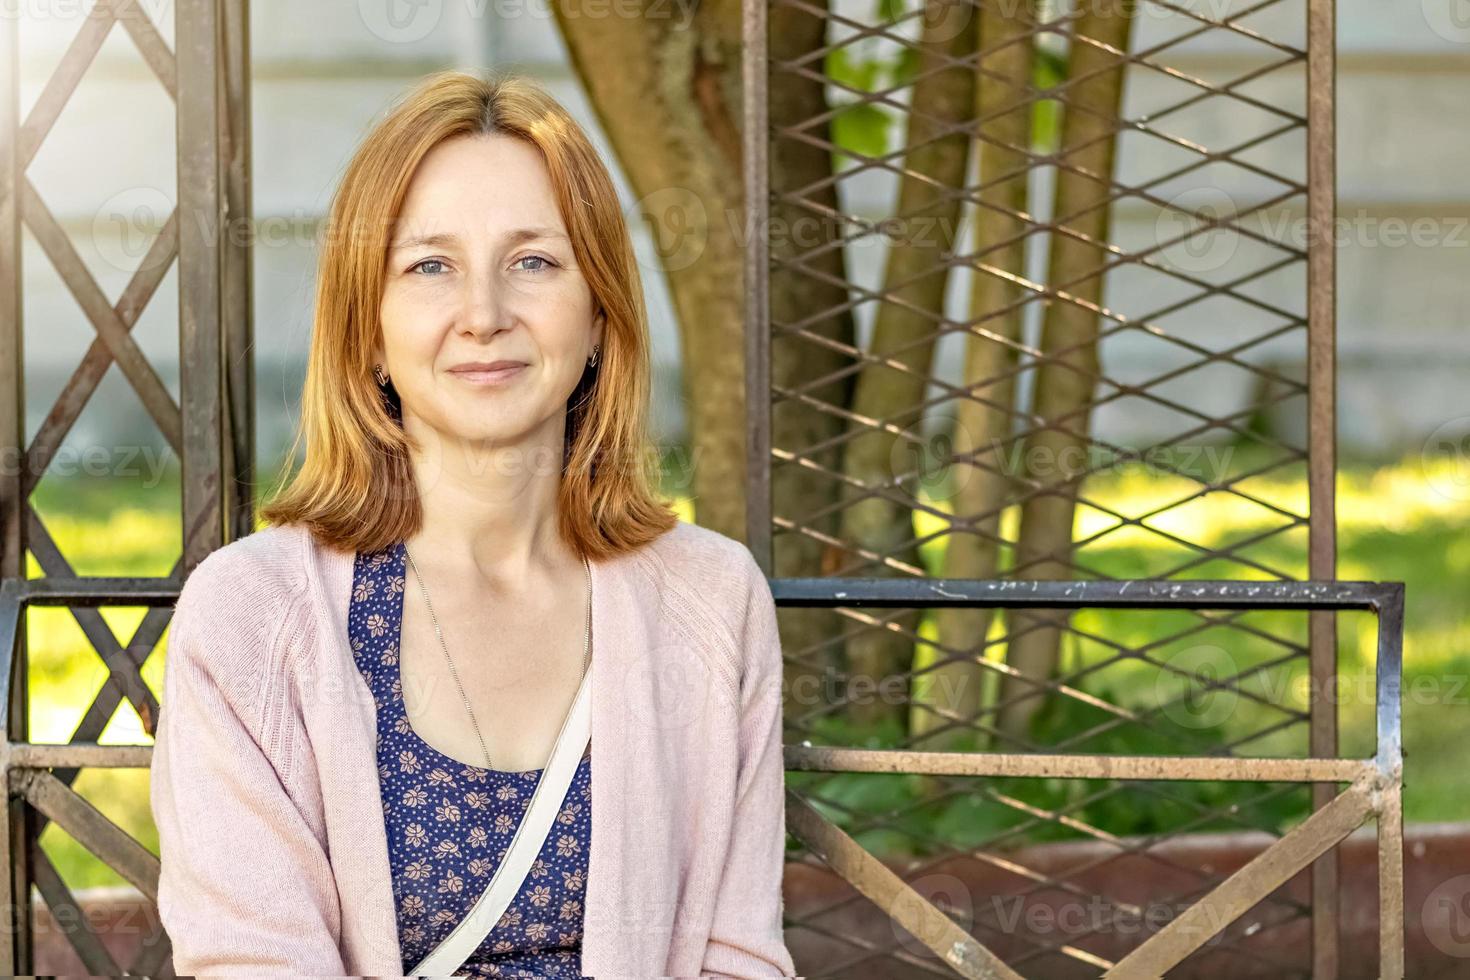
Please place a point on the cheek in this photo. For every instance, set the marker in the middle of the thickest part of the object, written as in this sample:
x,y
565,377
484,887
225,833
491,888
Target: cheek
x,y
569,313
409,326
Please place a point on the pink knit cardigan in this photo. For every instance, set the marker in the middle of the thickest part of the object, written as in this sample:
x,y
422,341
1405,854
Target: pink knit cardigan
x,y
265,779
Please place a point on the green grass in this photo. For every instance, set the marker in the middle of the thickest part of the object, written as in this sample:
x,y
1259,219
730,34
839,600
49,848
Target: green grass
x,y
1403,522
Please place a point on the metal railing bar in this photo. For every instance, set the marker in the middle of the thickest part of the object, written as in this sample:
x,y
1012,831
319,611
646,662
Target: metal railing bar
x,y
1268,871
1102,594
91,828
888,891
821,758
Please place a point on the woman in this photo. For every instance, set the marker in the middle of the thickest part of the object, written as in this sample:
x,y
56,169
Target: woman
x,y
469,584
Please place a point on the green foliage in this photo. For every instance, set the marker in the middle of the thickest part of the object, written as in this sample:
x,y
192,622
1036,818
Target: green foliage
x,y
1156,808
905,815
1049,70
859,127
864,67
877,65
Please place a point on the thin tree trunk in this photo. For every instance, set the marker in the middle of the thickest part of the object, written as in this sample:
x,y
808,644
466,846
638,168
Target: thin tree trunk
x,y
1056,452
983,421
805,296
878,524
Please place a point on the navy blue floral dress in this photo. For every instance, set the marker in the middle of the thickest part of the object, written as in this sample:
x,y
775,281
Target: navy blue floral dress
x,y
450,823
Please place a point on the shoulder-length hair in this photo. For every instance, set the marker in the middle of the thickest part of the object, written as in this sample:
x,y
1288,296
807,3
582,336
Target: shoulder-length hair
x,y
355,489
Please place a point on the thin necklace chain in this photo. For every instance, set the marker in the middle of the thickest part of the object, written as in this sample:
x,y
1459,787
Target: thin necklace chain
x,y
586,644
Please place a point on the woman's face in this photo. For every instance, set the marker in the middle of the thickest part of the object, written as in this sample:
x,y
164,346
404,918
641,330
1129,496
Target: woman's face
x,y
480,270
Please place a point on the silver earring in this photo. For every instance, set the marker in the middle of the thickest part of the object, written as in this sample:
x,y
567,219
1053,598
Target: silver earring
x,y
379,375
592,361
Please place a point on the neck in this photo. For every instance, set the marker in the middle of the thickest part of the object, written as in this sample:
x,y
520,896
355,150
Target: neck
x,y
490,510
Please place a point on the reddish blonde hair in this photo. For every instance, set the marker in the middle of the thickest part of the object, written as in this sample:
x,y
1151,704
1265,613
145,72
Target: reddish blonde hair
x,y
355,489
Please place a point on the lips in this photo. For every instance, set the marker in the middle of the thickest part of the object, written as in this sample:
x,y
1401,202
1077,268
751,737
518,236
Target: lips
x,y
480,367
488,372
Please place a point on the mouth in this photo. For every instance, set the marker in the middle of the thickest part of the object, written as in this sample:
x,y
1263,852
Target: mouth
x,y
487,375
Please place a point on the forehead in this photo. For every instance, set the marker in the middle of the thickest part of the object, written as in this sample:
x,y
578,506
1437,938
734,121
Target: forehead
x,y
479,186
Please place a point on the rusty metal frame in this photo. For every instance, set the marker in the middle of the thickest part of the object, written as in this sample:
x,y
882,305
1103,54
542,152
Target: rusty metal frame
x,y
1319,124
38,777
211,428
1322,434
1374,785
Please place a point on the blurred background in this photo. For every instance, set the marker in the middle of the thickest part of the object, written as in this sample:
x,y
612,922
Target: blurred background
x,y
1228,499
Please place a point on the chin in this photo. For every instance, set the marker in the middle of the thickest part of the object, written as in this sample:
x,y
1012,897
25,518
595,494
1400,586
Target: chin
x,y
488,437
507,440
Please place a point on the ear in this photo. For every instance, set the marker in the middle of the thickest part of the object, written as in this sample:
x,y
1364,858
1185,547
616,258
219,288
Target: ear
x,y
599,324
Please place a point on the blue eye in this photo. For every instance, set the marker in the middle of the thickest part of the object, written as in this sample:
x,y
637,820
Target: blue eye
x,y
419,265
539,258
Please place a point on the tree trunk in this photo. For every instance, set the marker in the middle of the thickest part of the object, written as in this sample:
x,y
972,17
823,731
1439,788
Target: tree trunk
x,y
668,98
877,523
803,502
983,421
1056,451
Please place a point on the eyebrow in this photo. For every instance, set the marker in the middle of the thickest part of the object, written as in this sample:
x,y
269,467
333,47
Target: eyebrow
x,y
513,237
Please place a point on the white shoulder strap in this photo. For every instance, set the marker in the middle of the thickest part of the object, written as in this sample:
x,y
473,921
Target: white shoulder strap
x,y
525,845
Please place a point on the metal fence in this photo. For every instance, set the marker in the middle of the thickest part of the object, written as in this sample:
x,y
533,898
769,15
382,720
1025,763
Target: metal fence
x,y
1214,901
980,230
210,428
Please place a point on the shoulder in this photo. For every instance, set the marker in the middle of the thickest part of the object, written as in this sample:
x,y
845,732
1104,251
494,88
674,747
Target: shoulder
x,y
264,566
694,541
716,592
242,593
699,560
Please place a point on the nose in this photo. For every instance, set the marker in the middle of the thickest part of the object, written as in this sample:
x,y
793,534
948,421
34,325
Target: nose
x,y
484,310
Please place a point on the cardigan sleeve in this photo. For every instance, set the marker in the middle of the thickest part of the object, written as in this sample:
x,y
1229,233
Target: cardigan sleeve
x,y
746,939
244,884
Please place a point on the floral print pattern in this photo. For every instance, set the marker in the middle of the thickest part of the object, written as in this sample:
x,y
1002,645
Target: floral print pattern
x,y
449,823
